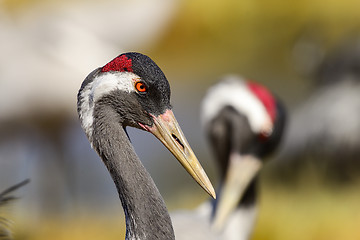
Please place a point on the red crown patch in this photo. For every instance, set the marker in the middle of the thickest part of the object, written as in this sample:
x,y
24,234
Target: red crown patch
x,y
265,97
120,64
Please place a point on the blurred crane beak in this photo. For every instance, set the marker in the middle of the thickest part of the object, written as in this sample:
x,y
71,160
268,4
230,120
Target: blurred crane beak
x,y
241,171
168,131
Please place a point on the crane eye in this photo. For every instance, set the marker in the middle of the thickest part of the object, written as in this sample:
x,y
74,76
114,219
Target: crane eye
x,y
140,87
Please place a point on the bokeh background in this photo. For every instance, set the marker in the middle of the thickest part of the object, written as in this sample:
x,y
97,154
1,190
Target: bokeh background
x,y
307,52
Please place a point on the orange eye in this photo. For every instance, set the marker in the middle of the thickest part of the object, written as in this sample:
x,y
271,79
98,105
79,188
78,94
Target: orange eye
x,y
140,87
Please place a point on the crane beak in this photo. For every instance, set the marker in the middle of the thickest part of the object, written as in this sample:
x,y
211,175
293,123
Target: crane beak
x,y
241,171
168,131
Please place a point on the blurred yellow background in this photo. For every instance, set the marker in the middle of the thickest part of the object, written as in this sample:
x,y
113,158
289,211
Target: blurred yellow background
x,y
49,47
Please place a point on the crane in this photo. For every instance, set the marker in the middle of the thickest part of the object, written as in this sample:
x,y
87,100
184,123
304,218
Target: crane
x,y
131,90
244,123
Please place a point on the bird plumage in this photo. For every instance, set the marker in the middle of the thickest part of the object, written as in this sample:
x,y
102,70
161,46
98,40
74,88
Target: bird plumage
x,y
243,122
108,102
241,133
323,127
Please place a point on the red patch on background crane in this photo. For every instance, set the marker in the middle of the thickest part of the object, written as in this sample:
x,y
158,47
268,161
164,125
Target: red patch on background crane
x,y
120,64
265,97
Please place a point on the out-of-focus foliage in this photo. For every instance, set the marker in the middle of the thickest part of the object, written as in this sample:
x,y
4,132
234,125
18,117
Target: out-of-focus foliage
x,y
308,209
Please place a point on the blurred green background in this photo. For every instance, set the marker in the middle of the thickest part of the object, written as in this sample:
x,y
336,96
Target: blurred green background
x,y
49,47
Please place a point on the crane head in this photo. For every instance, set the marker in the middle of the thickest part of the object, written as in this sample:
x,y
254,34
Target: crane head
x,y
134,90
244,123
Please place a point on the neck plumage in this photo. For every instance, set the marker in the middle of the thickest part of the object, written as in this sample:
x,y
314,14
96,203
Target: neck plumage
x,y
241,222
145,211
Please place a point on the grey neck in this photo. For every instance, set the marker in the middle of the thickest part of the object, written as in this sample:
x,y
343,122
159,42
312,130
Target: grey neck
x,y
145,211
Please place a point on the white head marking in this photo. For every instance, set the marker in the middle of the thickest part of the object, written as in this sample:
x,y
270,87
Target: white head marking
x,y
234,92
99,87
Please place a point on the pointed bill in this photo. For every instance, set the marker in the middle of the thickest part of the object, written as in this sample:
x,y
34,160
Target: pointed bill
x,y
168,131
241,171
